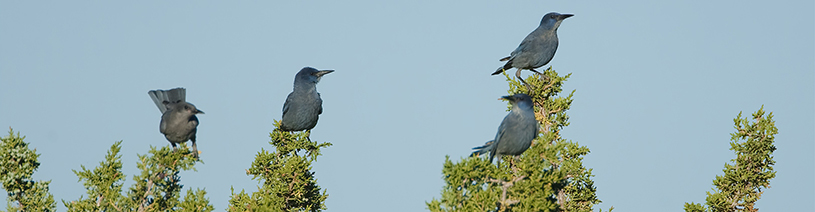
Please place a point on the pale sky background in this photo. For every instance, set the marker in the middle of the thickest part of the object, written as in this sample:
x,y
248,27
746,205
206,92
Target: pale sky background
x,y
658,85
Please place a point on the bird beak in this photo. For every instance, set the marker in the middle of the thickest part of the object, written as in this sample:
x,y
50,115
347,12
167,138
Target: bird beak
x,y
197,111
506,97
323,72
564,16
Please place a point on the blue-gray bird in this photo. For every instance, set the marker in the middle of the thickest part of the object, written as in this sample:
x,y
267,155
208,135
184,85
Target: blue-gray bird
x,y
178,120
538,48
516,132
303,105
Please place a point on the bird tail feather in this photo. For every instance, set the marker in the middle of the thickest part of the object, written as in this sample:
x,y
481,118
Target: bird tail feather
x,y
506,66
482,150
172,96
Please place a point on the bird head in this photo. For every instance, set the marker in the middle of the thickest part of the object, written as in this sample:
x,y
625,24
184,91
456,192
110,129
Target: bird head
x,y
552,20
183,107
310,75
519,100
189,107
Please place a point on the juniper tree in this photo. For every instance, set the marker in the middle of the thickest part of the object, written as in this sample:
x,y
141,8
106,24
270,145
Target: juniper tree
x,y
156,188
549,176
287,182
17,164
751,171
104,185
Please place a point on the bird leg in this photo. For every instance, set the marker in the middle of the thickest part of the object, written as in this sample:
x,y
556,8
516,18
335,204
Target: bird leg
x,y
174,147
545,78
194,150
518,74
512,164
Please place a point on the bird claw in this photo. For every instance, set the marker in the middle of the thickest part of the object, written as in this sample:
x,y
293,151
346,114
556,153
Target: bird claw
x,y
528,87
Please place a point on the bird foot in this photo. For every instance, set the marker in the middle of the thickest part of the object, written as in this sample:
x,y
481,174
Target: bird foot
x,y
528,87
512,166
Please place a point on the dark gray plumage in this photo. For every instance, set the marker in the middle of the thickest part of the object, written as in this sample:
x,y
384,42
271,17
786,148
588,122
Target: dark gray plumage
x,y
178,120
538,48
303,105
516,132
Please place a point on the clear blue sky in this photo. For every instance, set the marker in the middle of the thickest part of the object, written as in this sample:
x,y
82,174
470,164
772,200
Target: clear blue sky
x,y
658,85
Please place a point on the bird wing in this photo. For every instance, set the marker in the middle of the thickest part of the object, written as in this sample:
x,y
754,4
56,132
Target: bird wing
x,y
527,45
286,105
498,135
530,43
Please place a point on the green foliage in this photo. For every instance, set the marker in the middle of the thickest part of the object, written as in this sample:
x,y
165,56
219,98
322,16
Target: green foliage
x,y
742,183
195,201
17,164
288,184
157,188
549,176
104,184
694,207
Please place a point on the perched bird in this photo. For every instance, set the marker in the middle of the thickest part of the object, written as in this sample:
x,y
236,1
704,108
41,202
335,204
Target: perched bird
x,y
178,121
537,49
303,105
516,132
